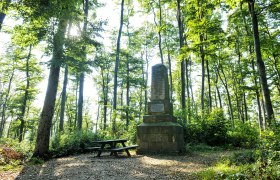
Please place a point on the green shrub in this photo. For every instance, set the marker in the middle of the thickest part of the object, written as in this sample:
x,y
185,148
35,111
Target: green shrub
x,y
13,154
243,135
245,157
73,143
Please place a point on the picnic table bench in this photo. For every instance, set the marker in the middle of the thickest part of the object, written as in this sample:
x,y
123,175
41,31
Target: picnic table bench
x,y
111,146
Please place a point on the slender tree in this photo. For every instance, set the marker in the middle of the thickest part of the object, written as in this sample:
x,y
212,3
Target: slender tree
x,y
260,64
117,65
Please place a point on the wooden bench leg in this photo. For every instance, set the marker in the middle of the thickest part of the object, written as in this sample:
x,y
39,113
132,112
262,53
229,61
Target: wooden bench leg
x,y
100,150
126,150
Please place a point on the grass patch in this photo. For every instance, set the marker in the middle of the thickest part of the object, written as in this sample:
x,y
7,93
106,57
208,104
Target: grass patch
x,y
223,170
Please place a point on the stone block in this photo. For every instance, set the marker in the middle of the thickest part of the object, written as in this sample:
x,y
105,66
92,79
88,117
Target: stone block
x,y
158,118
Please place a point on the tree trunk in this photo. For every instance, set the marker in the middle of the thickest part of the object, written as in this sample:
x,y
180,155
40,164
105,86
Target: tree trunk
x,y
209,86
127,92
170,75
2,17
117,67
76,104
224,82
63,99
218,92
188,92
261,66
261,125
202,75
44,127
80,101
82,75
25,98
181,40
4,106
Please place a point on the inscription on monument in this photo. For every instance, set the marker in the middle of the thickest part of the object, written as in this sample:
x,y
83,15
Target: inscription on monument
x,y
157,107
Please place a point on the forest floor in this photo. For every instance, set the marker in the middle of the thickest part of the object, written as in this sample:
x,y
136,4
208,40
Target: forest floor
x,y
88,166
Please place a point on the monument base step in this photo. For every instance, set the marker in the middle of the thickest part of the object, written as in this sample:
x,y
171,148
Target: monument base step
x,y
160,137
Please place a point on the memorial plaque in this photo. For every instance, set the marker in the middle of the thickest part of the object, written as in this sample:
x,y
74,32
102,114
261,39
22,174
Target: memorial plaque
x,y
157,107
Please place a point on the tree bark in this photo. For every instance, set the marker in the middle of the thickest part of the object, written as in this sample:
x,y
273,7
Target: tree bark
x,y
181,40
80,101
209,86
4,106
127,92
117,66
82,74
261,66
224,82
44,127
63,100
25,98
2,17
202,55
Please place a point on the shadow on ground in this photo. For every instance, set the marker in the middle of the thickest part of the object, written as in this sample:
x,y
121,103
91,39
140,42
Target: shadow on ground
x,y
88,166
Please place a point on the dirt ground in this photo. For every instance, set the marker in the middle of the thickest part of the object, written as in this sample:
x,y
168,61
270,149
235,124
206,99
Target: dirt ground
x,y
88,166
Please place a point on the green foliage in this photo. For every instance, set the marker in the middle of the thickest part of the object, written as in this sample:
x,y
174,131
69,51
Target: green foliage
x,y
215,131
73,143
243,135
263,163
244,157
212,131
13,154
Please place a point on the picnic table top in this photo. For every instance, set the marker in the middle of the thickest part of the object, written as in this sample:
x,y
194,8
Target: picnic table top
x,y
111,141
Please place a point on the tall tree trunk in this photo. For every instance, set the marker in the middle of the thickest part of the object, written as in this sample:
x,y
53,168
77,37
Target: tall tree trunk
x,y
188,92
97,118
82,75
44,127
64,89
209,86
127,92
76,102
224,82
80,101
105,82
117,67
181,40
202,55
218,91
261,125
253,67
4,106
194,107
147,74
63,99
261,66
2,17
25,98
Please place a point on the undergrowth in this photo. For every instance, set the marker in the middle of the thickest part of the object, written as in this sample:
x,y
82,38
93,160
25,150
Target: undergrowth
x,y
13,154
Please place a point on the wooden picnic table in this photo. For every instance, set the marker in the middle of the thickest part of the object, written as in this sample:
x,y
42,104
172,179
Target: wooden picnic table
x,y
112,147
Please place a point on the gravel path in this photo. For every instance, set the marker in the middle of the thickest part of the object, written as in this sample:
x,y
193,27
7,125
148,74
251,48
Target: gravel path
x,y
87,166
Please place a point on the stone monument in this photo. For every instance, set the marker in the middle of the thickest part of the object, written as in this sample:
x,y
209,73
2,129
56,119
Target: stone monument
x,y
160,131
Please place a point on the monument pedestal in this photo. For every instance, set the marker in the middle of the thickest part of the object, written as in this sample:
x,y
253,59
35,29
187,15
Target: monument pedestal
x,y
160,137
